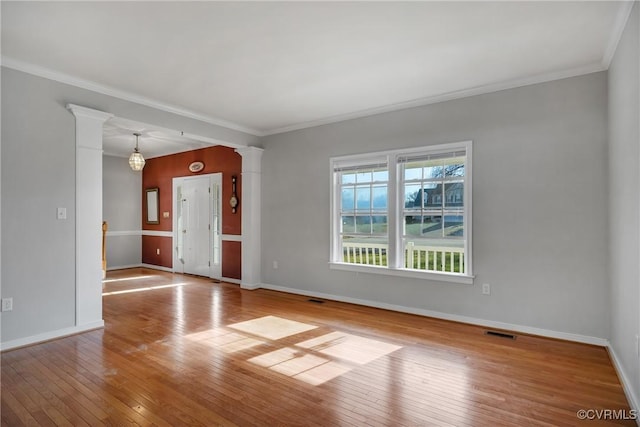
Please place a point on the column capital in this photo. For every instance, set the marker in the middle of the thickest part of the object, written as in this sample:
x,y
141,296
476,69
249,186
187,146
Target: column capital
x,y
90,113
251,159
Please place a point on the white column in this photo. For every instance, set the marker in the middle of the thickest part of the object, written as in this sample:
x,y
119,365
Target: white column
x,y
251,218
88,215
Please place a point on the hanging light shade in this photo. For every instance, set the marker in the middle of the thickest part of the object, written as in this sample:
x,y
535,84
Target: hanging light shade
x,y
136,161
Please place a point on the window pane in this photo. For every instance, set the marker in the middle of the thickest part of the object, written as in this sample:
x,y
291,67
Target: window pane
x,y
434,170
455,169
412,171
348,224
348,178
348,199
454,226
364,250
363,198
363,224
432,226
379,223
424,226
433,196
380,197
363,176
454,194
412,196
381,175
413,225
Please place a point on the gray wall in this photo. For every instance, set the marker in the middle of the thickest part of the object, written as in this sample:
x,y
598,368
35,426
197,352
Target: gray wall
x,y
122,209
539,205
38,175
624,191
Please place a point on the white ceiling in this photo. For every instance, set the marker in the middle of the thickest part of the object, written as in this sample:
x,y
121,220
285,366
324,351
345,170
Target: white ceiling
x,y
266,67
118,139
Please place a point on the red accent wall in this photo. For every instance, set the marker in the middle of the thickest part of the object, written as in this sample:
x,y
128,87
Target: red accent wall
x,y
160,171
150,246
231,263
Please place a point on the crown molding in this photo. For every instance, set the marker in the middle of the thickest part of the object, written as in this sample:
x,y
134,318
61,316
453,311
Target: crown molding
x,y
47,73
448,96
624,12
419,102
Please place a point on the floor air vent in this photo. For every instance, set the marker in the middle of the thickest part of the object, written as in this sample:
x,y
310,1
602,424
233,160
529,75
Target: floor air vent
x,y
316,301
500,334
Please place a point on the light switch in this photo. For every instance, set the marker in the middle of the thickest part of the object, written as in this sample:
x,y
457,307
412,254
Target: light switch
x,y
62,213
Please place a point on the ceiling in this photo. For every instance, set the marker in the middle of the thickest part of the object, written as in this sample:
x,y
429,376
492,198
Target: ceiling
x,y
118,139
268,67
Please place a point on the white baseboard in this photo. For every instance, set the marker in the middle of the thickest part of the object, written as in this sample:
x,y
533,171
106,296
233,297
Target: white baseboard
x,y
632,397
445,316
48,336
151,266
254,286
169,270
123,267
156,267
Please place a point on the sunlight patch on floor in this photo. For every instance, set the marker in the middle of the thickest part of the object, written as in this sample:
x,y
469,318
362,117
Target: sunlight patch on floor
x,y
314,361
225,340
124,279
301,365
272,327
323,373
146,288
349,347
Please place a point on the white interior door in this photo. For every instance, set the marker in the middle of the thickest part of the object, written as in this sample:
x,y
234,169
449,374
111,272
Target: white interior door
x,y
197,225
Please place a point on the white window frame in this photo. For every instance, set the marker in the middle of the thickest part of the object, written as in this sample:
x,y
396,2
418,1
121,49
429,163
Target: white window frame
x,y
395,209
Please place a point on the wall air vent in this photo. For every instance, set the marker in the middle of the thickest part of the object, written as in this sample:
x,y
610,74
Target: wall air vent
x,y
500,334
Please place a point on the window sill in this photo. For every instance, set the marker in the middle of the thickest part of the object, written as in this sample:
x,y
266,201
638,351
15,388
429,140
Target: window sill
x,y
403,272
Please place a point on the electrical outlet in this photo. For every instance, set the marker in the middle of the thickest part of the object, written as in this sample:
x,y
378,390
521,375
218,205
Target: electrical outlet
x,y
275,265
486,289
7,304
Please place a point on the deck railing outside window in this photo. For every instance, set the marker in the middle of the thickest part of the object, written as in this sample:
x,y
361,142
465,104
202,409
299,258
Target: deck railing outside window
x,y
419,257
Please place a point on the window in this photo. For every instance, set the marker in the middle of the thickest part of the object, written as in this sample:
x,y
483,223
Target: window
x,y
404,212
363,213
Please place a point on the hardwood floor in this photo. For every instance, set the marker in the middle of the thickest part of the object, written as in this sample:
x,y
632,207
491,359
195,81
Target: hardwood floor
x,y
180,350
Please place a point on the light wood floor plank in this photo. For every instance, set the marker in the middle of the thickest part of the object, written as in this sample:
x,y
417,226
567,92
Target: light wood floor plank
x,y
183,350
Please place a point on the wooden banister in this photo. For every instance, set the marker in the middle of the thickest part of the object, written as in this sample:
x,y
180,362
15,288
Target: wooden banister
x,y
105,226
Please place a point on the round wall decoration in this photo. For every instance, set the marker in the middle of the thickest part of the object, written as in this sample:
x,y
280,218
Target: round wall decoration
x,y
196,167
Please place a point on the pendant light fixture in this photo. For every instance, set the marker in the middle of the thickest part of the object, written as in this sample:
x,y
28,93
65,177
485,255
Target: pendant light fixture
x,y
136,161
